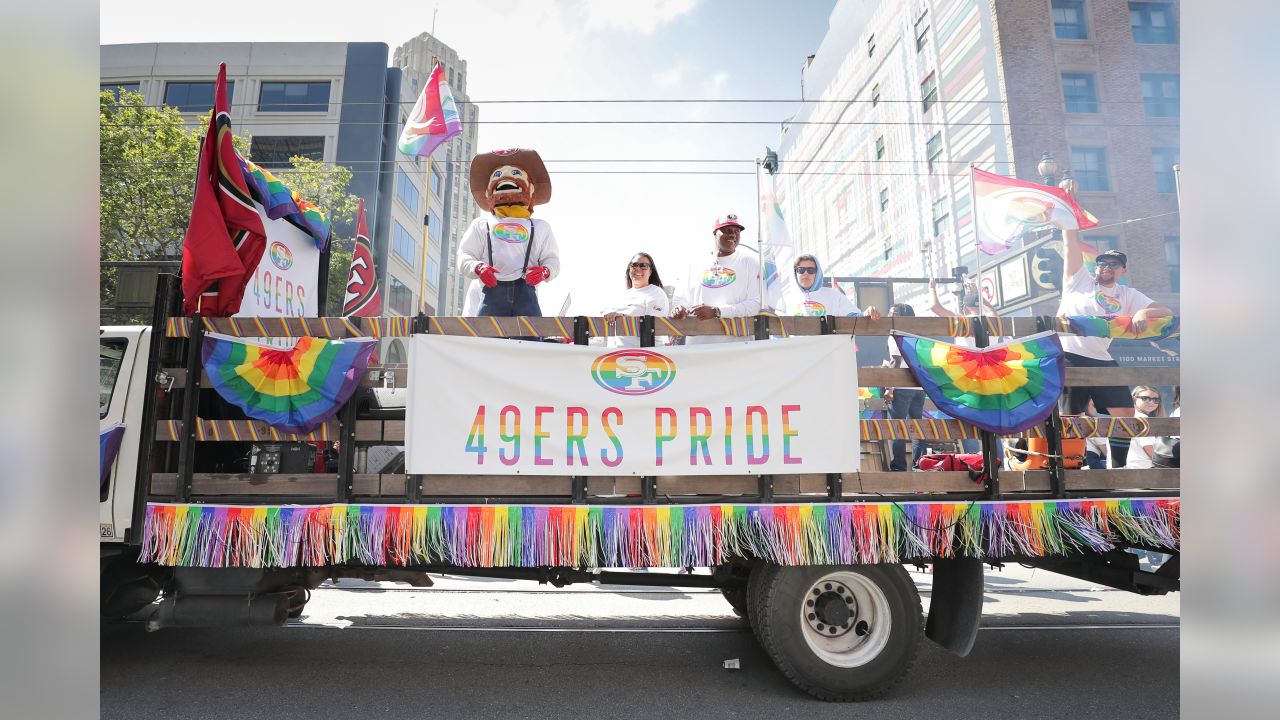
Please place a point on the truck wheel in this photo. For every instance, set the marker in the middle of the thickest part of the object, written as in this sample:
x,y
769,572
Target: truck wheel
x,y
839,632
761,576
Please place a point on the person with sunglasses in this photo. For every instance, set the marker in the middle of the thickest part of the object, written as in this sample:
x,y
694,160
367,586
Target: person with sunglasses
x,y
1101,294
1146,403
644,296
808,297
726,284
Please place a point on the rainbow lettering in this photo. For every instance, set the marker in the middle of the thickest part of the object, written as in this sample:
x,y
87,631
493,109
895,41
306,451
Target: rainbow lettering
x,y
659,435
613,437
699,437
576,437
512,437
752,458
787,434
539,435
718,277
511,232
728,436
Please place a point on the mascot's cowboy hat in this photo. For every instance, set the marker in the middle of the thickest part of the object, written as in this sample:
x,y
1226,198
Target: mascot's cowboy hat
x,y
483,165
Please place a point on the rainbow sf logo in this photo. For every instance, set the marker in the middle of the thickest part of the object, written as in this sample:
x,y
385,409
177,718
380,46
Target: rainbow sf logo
x,y
633,372
281,256
510,232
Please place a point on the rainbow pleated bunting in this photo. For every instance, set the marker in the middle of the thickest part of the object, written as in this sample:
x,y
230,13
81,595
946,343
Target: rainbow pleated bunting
x,y
292,390
1122,327
646,536
1005,388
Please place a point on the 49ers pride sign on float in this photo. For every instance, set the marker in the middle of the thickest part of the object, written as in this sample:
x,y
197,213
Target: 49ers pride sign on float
x,y
498,407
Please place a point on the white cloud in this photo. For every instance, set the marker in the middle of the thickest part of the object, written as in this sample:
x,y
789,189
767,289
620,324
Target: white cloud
x,y
642,16
670,77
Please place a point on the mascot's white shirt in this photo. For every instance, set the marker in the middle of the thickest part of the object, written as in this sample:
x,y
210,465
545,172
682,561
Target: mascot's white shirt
x,y
648,300
510,242
819,303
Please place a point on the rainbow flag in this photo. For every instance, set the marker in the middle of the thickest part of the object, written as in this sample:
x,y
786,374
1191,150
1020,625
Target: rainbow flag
x,y
1122,327
1007,209
434,120
291,390
1005,388
278,201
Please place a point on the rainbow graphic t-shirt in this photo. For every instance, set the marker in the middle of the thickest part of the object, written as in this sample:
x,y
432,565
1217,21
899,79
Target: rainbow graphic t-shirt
x,y
718,276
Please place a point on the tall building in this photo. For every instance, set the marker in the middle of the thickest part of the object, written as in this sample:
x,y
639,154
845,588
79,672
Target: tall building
x,y
907,94
455,209
338,103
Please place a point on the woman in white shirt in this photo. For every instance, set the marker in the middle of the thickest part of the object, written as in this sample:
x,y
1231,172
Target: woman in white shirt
x,y
645,296
1146,403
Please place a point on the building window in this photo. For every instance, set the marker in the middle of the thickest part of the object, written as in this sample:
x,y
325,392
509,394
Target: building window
x,y
880,147
871,45
116,88
193,97
1173,256
434,226
404,244
884,200
1103,243
1160,94
875,95
1152,23
928,92
933,149
433,272
435,181
939,216
1079,92
922,30
401,298
1162,162
274,151
1068,20
406,191
294,97
888,247
1090,167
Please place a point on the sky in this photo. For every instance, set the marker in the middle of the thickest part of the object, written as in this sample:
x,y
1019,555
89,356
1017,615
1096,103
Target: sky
x,y
585,50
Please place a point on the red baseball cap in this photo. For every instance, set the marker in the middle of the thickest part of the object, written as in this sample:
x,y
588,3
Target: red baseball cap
x,y
726,221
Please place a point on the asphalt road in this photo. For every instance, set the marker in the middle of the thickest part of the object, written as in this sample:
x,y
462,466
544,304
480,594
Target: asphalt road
x,y
1051,647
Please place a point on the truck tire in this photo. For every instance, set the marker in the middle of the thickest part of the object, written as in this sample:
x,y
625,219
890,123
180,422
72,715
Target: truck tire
x,y
839,632
761,575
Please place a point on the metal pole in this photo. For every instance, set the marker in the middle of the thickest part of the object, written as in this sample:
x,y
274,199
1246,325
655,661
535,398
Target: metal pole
x,y
1177,183
166,293
190,403
581,336
759,237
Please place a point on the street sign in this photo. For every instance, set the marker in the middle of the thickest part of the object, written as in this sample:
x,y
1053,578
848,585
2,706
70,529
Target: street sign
x,y
1013,279
991,289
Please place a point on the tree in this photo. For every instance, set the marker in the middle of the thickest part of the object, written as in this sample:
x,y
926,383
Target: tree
x,y
326,187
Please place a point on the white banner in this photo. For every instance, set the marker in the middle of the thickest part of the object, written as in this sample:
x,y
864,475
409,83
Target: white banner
x,y
497,407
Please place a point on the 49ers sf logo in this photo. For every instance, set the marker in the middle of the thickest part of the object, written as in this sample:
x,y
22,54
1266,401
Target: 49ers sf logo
x,y
633,372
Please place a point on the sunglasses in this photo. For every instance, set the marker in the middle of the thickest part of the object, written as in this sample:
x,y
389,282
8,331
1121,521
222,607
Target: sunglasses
x,y
1146,398
640,266
807,271
1109,264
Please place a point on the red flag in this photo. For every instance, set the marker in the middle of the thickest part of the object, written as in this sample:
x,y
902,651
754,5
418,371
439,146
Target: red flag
x,y
363,298
225,237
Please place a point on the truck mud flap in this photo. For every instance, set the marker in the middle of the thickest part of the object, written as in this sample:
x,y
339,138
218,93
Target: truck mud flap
x,y
955,607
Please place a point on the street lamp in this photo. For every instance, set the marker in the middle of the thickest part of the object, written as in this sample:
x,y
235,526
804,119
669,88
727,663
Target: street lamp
x,y
1068,183
1048,169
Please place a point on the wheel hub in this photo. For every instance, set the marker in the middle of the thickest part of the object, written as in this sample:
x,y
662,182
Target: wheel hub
x,y
831,609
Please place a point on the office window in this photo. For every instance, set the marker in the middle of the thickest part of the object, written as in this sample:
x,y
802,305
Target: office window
x,y
1173,257
116,88
933,149
294,97
435,181
433,272
194,97
1068,20
406,191
1079,93
434,226
939,216
1162,162
922,30
404,244
401,298
1090,167
1160,94
274,151
875,95
928,92
879,147
871,45
888,247
1152,23
1103,243
884,200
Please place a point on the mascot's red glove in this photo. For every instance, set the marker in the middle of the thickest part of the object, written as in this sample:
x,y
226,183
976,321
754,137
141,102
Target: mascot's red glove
x,y
488,275
537,274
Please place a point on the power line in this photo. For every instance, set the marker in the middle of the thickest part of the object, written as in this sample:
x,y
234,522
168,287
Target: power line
x,y
656,101
790,123
585,161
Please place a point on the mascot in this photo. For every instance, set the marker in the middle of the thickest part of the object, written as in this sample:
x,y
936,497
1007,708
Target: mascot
x,y
506,248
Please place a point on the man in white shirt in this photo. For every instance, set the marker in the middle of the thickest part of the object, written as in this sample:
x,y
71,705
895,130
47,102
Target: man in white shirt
x,y
726,284
508,250
1102,295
